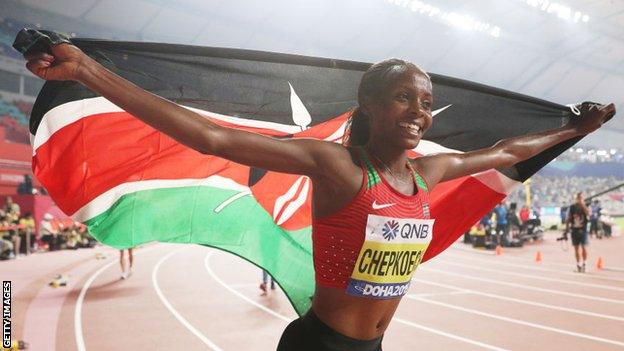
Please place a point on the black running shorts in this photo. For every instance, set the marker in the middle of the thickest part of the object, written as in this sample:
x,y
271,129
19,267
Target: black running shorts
x,y
579,236
308,333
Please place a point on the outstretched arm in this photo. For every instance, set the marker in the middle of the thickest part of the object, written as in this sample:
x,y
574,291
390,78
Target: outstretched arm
x,y
506,153
302,156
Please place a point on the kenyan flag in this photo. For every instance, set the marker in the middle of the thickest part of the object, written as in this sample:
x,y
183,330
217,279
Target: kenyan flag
x,y
132,184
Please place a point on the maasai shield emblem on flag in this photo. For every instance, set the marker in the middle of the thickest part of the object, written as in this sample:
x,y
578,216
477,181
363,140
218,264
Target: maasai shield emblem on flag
x,y
132,184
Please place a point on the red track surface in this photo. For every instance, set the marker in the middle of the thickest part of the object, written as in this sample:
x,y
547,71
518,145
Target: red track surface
x,y
196,298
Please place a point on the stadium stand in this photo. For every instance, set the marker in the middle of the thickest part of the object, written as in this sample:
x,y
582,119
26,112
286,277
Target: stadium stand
x,y
551,191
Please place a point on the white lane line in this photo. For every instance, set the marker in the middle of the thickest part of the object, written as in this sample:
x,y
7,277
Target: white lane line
x,y
80,344
521,322
526,260
532,267
458,292
526,302
530,276
244,285
265,309
173,311
527,287
402,321
448,335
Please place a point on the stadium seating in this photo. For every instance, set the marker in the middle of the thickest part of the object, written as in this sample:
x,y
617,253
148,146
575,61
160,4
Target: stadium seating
x,y
559,191
14,118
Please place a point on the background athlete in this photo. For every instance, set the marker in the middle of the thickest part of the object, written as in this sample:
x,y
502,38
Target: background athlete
x,y
576,225
395,99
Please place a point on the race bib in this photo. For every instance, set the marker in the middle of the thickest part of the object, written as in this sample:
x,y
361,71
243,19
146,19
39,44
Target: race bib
x,y
392,250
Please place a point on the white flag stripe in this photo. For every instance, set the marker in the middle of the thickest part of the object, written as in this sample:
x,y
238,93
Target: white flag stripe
x,y
104,201
294,205
70,112
282,199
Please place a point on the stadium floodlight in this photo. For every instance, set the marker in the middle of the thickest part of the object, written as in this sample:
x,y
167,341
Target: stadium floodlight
x,y
451,18
558,9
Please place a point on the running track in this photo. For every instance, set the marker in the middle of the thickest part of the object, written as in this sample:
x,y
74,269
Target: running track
x,y
188,297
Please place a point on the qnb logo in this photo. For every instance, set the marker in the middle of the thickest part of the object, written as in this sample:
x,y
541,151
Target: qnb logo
x,y
390,230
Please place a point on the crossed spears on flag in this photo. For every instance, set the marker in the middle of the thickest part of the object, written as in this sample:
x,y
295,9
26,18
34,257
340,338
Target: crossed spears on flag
x,y
301,117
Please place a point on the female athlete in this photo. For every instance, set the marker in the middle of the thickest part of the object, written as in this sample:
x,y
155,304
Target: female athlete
x,y
371,220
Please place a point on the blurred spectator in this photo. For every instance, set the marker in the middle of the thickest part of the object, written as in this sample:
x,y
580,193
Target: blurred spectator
x,y
27,233
9,220
502,225
265,280
26,187
594,220
48,233
126,270
563,213
525,213
6,237
6,248
12,210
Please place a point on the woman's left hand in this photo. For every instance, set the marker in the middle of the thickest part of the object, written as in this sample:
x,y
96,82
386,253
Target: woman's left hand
x,y
592,117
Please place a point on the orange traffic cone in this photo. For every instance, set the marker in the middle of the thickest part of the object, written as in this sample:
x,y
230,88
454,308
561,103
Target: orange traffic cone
x,y
538,257
499,250
600,263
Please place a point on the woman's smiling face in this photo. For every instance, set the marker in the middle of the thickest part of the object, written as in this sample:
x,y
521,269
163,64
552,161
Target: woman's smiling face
x,y
401,113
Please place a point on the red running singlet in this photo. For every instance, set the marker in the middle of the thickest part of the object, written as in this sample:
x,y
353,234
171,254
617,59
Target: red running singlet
x,y
372,246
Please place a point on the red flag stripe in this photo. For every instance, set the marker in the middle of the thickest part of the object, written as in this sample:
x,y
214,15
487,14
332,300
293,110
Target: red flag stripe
x,y
71,112
136,152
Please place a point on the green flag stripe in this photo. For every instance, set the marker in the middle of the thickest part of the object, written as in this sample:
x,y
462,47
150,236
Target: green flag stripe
x,y
187,215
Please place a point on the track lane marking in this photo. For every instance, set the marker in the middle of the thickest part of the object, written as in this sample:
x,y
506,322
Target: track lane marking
x,y
78,335
526,302
558,264
532,267
456,292
518,321
170,307
399,320
590,285
528,287
448,335
240,295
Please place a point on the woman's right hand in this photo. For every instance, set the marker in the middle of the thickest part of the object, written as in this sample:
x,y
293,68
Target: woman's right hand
x,y
63,64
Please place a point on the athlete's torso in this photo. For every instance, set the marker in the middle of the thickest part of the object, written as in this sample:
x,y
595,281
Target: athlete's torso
x,y
366,252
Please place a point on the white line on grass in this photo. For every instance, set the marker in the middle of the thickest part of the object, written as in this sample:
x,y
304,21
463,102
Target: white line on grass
x,y
173,311
526,302
402,321
521,322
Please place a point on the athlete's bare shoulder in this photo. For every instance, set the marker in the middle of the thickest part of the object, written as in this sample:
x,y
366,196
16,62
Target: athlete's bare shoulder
x,y
339,182
338,161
